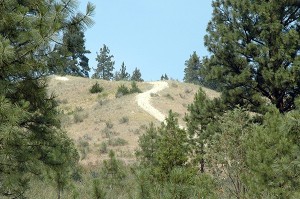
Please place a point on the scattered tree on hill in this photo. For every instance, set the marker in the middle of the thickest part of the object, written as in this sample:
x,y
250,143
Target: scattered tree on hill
x,y
31,140
255,52
69,57
105,64
191,71
137,75
164,77
122,75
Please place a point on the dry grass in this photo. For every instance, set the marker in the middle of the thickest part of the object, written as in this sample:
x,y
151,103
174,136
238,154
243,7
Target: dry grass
x,y
177,97
103,112
97,110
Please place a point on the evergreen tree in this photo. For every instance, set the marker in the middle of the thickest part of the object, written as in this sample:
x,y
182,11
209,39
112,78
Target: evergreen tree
x,y
31,140
172,150
255,52
148,143
122,74
191,71
69,57
201,115
136,75
272,156
164,77
228,148
105,64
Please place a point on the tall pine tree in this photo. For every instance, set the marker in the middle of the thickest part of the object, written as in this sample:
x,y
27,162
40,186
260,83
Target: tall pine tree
x,y
136,75
105,64
255,52
31,139
122,75
191,71
68,58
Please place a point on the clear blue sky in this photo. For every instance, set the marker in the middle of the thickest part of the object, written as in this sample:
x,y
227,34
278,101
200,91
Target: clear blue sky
x,y
156,36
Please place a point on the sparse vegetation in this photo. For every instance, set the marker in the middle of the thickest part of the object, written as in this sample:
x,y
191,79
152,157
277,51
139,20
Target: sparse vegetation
x,y
123,90
169,96
103,147
117,142
96,88
124,120
173,84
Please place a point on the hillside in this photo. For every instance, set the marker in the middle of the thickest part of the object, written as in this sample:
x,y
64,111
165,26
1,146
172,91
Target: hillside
x,y
99,122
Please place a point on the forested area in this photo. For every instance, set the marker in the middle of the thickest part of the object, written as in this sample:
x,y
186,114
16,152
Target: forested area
x,y
244,144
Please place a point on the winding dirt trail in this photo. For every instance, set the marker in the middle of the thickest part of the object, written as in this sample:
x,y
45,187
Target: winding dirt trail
x,y
143,100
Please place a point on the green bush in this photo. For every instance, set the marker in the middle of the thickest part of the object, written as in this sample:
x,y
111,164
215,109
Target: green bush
x,y
134,88
169,96
122,90
123,120
96,88
103,148
117,142
78,117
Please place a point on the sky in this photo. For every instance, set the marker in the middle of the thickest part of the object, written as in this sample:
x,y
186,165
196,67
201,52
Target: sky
x,y
156,36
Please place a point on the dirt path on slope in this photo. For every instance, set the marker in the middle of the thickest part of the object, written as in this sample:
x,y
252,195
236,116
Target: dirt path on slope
x,y
143,100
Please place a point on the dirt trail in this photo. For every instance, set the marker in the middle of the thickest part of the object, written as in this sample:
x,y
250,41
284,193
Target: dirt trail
x,y
143,100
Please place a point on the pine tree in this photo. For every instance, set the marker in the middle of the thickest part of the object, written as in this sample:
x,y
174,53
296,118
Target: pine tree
x,y
272,159
122,75
164,77
105,64
255,52
191,71
136,75
148,143
201,115
31,139
69,57
227,148
172,147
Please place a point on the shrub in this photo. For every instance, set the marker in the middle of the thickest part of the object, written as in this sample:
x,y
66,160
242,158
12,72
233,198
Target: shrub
x,y
109,124
103,147
122,90
96,88
134,88
123,120
117,142
78,117
169,96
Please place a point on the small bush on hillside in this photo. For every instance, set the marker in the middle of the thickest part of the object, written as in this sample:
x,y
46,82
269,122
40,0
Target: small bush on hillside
x,y
103,148
84,148
109,124
122,90
169,96
78,117
96,88
135,88
123,120
117,142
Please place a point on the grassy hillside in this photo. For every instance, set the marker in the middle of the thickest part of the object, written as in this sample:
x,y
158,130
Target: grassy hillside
x,y
99,122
